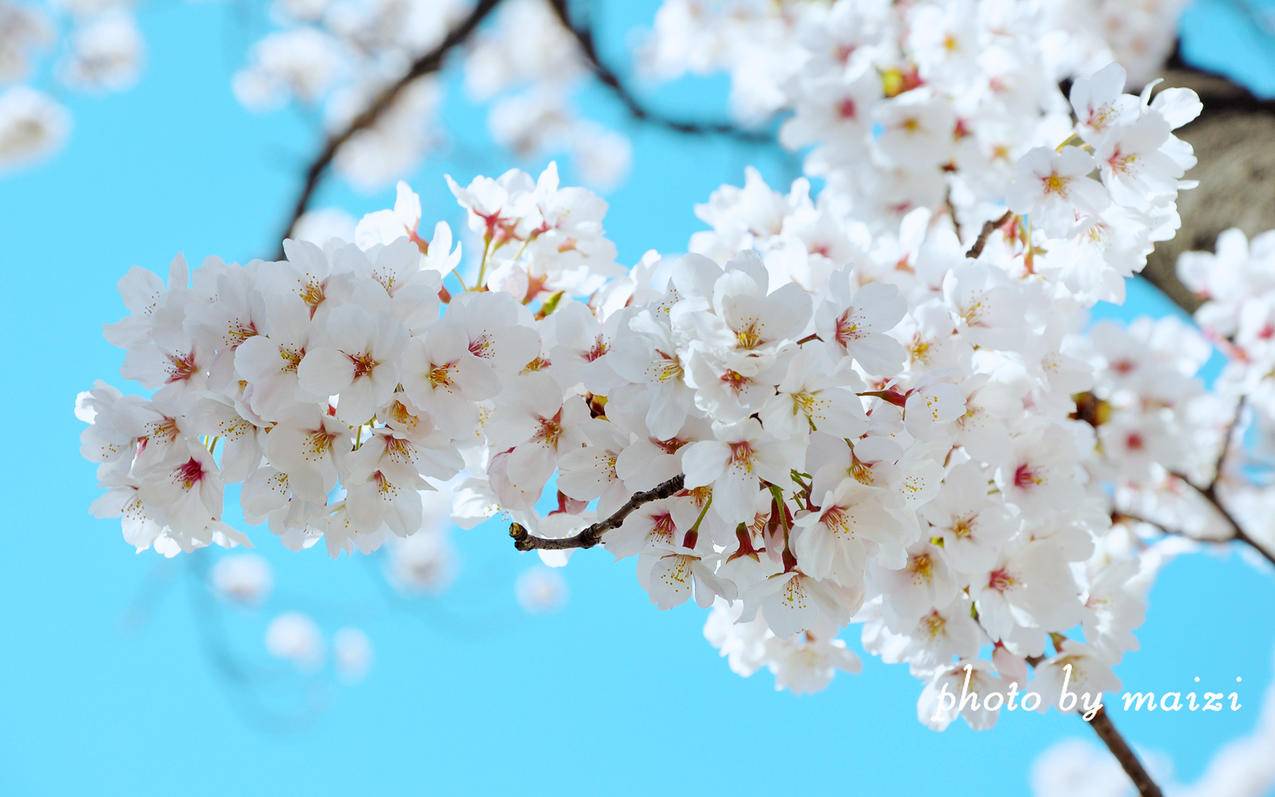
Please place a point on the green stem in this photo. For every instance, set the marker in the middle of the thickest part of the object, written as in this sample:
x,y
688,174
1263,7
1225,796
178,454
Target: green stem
x,y
482,267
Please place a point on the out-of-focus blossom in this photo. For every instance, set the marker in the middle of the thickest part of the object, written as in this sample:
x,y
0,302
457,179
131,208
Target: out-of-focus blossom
x,y
243,578
351,654
541,590
32,126
296,638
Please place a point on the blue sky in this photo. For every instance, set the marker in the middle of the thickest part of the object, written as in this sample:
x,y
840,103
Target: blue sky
x,y
109,683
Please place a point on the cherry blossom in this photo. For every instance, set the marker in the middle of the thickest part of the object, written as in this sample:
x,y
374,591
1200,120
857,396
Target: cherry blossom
x,y
870,405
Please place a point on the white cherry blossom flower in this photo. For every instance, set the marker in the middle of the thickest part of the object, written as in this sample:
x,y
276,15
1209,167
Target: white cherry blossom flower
x,y
356,359
815,395
855,320
733,463
1054,187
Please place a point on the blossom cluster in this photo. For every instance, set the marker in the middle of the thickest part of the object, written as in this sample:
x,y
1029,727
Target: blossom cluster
x,y
1179,456
1155,424
765,47
1237,286
870,426
895,127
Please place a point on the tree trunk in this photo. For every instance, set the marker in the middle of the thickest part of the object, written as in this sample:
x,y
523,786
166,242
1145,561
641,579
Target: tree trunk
x,y
1234,138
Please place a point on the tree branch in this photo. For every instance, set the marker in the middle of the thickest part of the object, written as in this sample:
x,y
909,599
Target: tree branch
x,y
1227,437
1114,741
1237,531
1228,107
609,78
1209,492
1123,753
426,64
592,535
989,227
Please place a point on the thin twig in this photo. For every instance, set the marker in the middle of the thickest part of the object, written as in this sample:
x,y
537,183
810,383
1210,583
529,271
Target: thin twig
x,y
1238,535
1227,437
1120,516
951,212
611,79
592,535
988,228
1237,531
1209,493
426,64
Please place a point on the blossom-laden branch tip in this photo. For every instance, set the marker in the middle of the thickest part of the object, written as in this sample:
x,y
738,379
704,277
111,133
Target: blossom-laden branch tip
x,y
592,535
984,234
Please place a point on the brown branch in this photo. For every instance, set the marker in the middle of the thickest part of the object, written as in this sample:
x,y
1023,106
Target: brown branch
x,y
1228,108
1123,753
1120,516
426,64
1238,534
1112,738
609,78
988,228
1242,536
592,535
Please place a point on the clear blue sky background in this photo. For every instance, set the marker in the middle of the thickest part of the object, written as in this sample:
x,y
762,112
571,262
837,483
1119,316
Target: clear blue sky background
x,y
108,678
